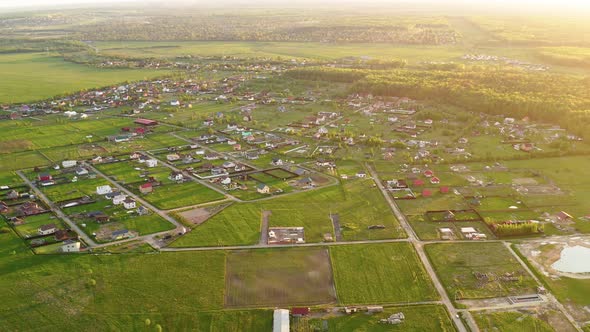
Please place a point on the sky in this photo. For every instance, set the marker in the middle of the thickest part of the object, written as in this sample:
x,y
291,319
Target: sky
x,y
522,5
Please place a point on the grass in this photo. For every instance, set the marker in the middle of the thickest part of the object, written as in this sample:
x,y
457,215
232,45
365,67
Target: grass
x,y
62,192
279,277
456,263
53,76
56,292
358,204
173,196
510,321
438,320
380,273
278,49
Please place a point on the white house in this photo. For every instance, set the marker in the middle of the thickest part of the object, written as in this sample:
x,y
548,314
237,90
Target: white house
x,y
81,171
119,199
151,162
70,246
103,190
47,229
176,176
175,103
280,320
226,180
68,163
129,203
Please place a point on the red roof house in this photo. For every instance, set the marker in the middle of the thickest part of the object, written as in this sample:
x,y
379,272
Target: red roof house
x,y
146,188
428,173
418,182
426,193
444,190
298,312
434,180
146,122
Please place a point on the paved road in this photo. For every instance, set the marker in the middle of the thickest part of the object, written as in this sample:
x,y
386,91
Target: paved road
x,y
57,211
258,246
418,245
194,178
179,226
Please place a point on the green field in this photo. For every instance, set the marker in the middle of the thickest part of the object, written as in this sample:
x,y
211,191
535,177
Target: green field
x,y
173,196
358,204
510,321
278,49
115,292
457,263
380,273
28,77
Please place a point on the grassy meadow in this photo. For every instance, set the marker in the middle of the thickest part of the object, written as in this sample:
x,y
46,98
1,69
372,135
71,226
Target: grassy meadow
x,y
28,77
380,273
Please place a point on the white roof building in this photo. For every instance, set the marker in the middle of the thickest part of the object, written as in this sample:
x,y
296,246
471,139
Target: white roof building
x,y
280,320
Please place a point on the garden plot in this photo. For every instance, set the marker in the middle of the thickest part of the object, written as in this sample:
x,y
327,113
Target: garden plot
x,y
278,277
479,270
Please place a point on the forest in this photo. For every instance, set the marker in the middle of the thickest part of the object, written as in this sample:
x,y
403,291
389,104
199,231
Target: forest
x,y
547,97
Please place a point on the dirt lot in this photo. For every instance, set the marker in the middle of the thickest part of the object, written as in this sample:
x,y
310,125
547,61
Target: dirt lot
x,y
279,277
196,216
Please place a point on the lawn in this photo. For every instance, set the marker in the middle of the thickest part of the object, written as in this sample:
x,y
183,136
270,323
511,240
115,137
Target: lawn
x,y
510,321
63,192
173,196
457,263
358,203
274,277
438,320
28,77
380,273
58,292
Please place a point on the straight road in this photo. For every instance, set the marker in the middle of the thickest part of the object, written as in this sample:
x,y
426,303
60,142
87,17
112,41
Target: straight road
x,y
418,245
179,226
57,211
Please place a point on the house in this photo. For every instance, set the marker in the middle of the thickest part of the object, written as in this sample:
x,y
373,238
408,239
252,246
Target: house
x,y
361,174
143,211
129,203
394,319
211,156
263,189
70,246
68,163
428,173
280,320
426,193
47,229
237,147
306,182
81,171
176,176
146,188
276,162
145,122
30,208
434,180
119,198
103,190
98,216
13,194
61,235
418,182
563,216
173,157
121,234
228,164
225,180
44,177
299,312
175,103
151,163
444,190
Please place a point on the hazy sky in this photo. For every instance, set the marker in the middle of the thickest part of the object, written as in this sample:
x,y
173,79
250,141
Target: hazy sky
x,y
534,4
